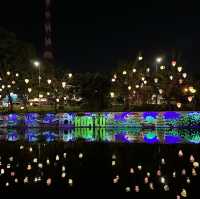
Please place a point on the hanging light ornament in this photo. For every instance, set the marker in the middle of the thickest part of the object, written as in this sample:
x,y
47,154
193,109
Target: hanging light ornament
x,y
143,78
137,86
140,58
184,75
29,90
171,77
148,70
156,80
160,91
190,98
173,63
26,81
49,81
145,81
8,73
129,88
113,80
179,68
112,94
17,74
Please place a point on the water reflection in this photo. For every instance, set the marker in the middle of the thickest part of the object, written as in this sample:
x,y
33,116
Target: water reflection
x,y
135,135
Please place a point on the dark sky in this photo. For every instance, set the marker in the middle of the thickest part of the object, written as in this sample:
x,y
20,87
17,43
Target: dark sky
x,y
97,36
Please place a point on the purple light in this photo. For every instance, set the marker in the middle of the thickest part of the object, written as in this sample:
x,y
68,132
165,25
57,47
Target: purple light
x,y
173,139
121,137
151,114
172,115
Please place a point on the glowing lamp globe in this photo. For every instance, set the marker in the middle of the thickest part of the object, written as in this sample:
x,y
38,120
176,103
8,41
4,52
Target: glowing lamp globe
x,y
17,74
57,100
158,59
70,75
137,86
63,84
148,70
113,80
143,78
129,88
115,76
171,77
145,81
134,70
13,82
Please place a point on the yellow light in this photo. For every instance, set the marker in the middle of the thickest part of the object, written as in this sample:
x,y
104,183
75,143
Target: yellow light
x,y
160,91
36,63
184,75
140,58
190,98
137,86
3,86
162,67
178,104
134,70
31,103
115,76
29,90
179,68
173,63
63,84
13,82
48,93
145,81
158,59
180,81
40,96
8,73
148,70
57,100
129,87
70,75
156,80
70,182
124,72
185,90
22,108
49,181
17,74
113,79
112,94
143,78
49,81
26,81
9,86
171,77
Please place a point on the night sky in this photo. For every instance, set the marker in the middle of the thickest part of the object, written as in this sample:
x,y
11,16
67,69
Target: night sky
x,y
97,36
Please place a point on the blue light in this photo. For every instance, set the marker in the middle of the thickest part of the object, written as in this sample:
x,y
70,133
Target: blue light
x,y
150,114
150,138
173,139
172,115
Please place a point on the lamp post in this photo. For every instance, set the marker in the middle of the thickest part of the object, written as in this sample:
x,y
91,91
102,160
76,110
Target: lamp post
x,y
37,65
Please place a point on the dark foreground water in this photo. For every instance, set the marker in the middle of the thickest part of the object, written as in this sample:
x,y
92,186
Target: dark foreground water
x,y
109,160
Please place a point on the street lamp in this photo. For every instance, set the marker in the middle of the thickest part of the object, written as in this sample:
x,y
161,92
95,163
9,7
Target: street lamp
x,y
37,65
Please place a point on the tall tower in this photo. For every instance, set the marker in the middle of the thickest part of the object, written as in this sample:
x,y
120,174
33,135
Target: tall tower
x,y
48,47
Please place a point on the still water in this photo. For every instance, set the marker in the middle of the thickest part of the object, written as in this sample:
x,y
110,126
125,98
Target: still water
x,y
108,135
